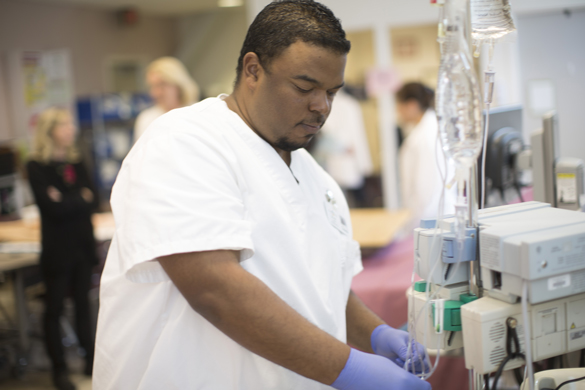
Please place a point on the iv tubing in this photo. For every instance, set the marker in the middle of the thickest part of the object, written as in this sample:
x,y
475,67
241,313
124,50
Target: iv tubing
x,y
428,301
460,241
414,316
435,253
429,296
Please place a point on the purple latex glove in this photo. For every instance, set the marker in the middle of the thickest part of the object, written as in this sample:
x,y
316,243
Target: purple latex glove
x,y
364,371
393,344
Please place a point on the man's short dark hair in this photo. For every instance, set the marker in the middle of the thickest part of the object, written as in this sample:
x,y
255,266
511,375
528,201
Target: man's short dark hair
x,y
283,22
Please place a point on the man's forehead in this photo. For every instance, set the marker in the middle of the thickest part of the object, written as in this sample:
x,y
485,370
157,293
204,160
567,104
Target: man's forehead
x,y
311,63
308,49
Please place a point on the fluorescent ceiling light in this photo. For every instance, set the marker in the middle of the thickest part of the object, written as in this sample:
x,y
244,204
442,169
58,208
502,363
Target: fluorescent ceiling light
x,y
230,3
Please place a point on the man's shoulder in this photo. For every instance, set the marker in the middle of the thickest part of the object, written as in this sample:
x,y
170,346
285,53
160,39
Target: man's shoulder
x,y
205,128
208,113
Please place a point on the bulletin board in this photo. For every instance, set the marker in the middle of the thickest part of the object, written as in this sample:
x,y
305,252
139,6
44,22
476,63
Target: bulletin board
x,y
38,79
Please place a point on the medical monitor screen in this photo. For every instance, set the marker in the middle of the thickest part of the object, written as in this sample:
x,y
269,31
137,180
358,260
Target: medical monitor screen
x,y
504,142
507,116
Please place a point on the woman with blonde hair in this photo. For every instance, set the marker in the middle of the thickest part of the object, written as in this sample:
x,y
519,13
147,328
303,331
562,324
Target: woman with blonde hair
x,y
170,86
65,197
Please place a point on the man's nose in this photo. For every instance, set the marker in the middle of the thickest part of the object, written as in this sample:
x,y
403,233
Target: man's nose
x,y
320,103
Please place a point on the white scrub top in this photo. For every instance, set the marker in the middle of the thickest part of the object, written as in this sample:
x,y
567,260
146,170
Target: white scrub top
x,y
200,179
420,179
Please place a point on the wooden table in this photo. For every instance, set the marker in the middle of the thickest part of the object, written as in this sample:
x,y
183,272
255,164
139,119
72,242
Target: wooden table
x,y
30,231
376,228
372,228
20,231
20,238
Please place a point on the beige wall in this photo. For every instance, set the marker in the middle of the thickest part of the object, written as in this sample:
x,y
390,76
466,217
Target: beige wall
x,y
359,61
416,54
91,34
5,131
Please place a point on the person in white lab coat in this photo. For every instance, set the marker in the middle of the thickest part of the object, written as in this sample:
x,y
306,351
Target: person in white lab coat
x,y
343,144
232,259
420,177
170,86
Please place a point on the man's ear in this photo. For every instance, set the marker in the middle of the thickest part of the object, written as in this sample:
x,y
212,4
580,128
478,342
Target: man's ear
x,y
251,69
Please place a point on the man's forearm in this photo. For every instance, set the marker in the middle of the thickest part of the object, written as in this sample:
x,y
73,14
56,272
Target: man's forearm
x,y
361,322
247,311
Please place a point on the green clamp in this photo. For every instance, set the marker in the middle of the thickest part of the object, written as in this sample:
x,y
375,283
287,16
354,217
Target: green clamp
x,y
466,298
420,286
452,315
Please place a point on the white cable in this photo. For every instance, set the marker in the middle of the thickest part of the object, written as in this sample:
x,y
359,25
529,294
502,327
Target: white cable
x,y
483,158
527,342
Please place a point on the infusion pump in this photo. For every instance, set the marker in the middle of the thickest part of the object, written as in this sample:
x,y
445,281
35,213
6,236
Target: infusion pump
x,y
529,244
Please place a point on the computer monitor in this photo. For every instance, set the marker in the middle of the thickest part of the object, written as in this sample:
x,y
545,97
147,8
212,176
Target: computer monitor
x,y
506,116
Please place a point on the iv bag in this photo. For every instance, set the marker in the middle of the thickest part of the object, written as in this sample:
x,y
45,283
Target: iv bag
x,y
458,105
490,20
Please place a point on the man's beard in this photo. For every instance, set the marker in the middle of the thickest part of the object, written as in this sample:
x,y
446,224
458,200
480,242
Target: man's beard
x,y
287,145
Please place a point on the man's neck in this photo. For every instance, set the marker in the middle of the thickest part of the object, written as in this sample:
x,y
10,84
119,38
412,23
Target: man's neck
x,y
233,102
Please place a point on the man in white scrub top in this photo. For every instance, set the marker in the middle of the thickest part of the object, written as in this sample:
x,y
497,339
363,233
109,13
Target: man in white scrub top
x,y
232,260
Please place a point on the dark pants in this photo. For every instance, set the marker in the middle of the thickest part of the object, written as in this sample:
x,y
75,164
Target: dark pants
x,y
75,280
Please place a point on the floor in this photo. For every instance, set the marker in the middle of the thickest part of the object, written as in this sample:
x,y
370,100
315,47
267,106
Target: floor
x,y
41,380
36,373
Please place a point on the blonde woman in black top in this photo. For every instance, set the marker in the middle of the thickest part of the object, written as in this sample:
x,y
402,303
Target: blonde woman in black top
x,y
66,200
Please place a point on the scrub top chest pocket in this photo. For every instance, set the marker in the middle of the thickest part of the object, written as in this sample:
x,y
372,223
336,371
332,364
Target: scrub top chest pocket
x,y
333,214
350,249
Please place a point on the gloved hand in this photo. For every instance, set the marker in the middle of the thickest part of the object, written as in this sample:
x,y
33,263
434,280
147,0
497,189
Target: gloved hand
x,y
364,371
393,344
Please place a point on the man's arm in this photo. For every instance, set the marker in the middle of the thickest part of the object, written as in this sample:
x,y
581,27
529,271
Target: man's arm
x,y
361,322
247,311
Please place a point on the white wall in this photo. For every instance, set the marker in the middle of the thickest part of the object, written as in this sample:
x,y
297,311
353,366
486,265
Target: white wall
x,y
552,47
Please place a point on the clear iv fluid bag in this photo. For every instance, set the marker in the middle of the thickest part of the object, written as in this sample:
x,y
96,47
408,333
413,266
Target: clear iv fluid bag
x,y
458,104
490,19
